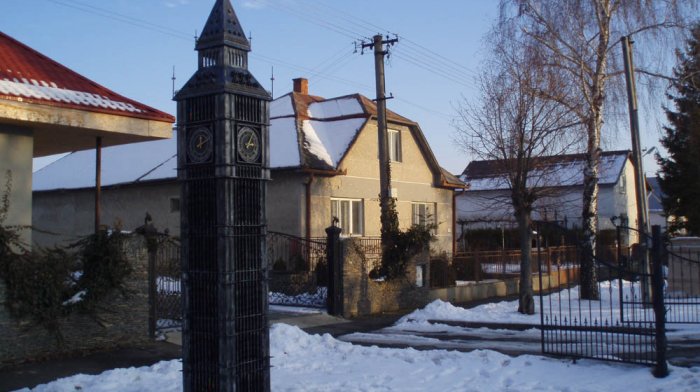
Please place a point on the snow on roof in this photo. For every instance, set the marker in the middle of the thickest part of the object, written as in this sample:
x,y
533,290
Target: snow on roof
x,y
44,91
337,107
281,107
31,77
329,140
567,172
284,144
120,164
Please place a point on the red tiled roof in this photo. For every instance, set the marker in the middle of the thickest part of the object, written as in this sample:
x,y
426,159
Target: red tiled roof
x,y
29,76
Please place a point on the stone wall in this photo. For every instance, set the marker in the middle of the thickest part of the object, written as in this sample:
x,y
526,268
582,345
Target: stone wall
x,y
363,296
121,321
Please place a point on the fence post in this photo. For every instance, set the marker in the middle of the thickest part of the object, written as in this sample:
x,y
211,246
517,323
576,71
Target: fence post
x,y
334,295
661,369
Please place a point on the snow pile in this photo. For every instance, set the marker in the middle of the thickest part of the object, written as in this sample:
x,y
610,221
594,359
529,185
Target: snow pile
x,y
499,312
303,362
317,299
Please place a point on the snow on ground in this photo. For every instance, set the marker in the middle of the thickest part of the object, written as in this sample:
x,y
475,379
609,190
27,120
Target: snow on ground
x,y
303,362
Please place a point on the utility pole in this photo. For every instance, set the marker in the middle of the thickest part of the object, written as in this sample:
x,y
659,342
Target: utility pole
x,y
639,180
378,44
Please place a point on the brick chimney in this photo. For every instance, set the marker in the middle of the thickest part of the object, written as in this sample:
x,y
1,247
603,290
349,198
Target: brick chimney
x,y
301,86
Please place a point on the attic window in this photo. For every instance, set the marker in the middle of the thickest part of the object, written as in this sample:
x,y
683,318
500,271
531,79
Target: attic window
x,y
394,137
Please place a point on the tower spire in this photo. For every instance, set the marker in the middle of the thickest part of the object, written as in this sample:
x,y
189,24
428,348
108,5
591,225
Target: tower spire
x,y
222,28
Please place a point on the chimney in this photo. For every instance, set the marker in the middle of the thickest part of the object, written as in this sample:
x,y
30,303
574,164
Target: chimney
x,y
301,86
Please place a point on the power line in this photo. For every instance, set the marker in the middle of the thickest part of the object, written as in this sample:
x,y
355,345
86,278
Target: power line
x,y
91,9
334,62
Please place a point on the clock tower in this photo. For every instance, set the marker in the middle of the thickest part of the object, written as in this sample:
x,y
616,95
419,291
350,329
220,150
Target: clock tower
x,y
223,159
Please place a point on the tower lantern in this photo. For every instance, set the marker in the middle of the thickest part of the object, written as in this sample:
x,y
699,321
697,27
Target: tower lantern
x,y
223,166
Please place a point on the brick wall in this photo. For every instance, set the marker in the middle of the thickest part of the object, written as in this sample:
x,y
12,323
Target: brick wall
x,y
121,321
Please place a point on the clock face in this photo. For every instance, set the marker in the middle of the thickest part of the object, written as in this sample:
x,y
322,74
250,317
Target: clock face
x,y
248,145
200,145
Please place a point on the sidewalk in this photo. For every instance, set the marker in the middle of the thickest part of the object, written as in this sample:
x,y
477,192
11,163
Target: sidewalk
x,y
32,374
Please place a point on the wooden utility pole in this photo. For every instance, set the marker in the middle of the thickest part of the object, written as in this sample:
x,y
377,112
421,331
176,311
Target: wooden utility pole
x,y
378,44
639,180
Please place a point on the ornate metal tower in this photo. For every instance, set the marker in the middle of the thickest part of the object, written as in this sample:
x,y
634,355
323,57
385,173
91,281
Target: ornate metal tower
x,y
223,117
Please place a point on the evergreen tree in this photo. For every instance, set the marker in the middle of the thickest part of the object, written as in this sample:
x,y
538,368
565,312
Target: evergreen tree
x,y
680,171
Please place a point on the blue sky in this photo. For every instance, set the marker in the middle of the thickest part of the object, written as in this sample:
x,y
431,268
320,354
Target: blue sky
x,y
131,47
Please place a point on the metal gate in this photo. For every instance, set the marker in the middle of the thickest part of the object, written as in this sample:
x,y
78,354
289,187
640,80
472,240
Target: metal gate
x,y
165,275
299,270
626,323
298,276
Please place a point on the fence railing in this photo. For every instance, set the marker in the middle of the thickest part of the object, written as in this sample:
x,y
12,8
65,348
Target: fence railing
x,y
501,264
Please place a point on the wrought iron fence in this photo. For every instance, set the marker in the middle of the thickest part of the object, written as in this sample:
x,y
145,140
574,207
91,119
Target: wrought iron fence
x,y
612,317
167,274
682,285
299,274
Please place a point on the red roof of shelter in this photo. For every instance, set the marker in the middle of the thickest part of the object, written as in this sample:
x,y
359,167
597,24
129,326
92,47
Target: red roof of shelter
x,y
28,76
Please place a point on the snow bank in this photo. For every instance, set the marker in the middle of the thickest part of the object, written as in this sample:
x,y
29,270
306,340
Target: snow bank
x,y
303,362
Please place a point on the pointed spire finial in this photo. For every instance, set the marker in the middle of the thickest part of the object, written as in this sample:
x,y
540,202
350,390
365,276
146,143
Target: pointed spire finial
x,y
222,28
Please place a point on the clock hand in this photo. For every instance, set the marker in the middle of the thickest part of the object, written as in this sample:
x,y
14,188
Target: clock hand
x,y
202,141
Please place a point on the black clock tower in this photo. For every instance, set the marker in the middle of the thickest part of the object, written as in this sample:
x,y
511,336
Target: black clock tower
x,y
222,119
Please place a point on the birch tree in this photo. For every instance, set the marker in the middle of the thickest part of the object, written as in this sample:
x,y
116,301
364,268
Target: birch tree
x,y
511,125
580,38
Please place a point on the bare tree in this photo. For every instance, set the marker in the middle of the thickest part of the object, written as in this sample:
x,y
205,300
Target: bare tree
x,y
513,127
579,38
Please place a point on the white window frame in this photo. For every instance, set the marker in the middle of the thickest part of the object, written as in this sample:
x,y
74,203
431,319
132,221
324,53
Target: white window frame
x,y
425,217
393,138
354,206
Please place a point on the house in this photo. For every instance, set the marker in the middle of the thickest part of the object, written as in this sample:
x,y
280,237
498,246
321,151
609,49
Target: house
x,y
324,164
486,203
46,108
657,216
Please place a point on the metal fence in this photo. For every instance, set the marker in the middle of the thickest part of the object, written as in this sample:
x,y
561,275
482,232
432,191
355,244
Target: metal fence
x,y
299,270
165,281
617,318
682,285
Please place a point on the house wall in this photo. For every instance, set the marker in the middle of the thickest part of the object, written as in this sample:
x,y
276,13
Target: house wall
x,y
16,151
69,214
411,180
286,203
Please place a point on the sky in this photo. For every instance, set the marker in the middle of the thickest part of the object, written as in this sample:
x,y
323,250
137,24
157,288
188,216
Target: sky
x,y
133,46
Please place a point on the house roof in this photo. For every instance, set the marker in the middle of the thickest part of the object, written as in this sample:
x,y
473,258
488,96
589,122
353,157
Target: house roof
x,y
655,195
28,76
306,133
562,170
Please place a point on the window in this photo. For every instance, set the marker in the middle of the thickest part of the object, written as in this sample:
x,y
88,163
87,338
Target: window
x,y
350,215
623,184
423,214
394,137
174,204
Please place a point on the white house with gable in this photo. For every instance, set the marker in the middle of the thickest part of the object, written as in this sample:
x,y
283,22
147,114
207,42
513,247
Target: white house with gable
x,y
486,203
